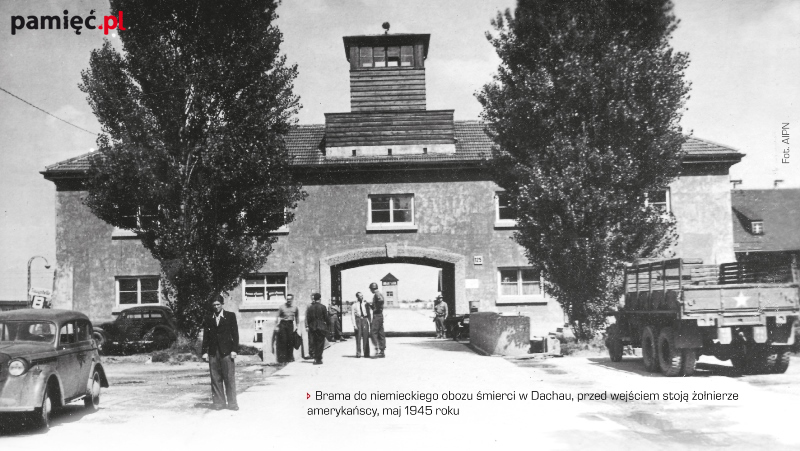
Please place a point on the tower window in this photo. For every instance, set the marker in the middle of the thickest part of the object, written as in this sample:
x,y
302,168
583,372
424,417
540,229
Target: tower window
x,y
392,56
757,227
366,56
406,55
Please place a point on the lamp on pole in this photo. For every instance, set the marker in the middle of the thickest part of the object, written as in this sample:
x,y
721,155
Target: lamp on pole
x,y
46,265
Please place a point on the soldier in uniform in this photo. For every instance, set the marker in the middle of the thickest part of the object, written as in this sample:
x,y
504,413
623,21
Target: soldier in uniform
x,y
378,334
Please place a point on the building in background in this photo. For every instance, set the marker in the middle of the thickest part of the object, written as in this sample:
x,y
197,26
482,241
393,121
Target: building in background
x,y
766,228
388,182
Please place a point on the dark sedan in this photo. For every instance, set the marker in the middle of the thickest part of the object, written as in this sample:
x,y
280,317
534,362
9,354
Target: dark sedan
x,y
47,359
145,327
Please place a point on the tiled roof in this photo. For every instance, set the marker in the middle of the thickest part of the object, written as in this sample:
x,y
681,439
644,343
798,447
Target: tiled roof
x,y
306,144
777,208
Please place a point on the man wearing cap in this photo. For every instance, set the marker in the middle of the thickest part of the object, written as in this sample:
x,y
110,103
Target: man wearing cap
x,y
440,310
317,322
378,335
361,314
220,343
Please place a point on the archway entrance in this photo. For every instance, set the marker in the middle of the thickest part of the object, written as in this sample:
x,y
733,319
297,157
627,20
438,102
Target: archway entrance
x,y
450,264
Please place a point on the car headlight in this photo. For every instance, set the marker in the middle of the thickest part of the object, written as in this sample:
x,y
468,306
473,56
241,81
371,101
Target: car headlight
x,y
17,367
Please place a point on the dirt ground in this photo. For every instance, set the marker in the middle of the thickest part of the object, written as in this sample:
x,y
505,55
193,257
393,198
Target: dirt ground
x,y
138,385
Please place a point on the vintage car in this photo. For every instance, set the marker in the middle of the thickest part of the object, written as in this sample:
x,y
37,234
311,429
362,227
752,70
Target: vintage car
x,y
137,327
47,359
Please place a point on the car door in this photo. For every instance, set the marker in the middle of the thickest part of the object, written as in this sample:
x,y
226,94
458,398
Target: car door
x,y
69,361
85,350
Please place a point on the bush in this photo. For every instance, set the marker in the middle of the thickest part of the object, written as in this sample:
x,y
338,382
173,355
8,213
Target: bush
x,y
571,346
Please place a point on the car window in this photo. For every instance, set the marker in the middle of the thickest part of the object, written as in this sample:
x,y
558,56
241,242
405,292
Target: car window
x,y
134,316
83,331
38,331
67,334
156,315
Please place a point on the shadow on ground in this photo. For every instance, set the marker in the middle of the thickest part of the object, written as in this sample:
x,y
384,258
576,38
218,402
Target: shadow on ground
x,y
634,365
442,345
21,425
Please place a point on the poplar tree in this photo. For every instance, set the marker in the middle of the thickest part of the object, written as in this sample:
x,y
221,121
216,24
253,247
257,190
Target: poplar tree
x,y
194,110
584,110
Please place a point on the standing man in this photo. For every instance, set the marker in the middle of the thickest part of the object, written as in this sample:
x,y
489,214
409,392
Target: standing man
x,y
286,324
317,322
220,343
336,327
360,313
378,335
440,310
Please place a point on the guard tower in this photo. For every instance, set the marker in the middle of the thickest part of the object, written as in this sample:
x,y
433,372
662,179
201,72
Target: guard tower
x,y
390,289
388,115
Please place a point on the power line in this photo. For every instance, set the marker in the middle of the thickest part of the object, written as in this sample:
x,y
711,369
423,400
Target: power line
x,y
47,113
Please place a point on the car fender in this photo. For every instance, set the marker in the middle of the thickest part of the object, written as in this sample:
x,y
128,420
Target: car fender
x,y
97,366
41,377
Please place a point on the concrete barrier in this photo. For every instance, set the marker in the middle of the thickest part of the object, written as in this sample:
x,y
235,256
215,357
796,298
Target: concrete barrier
x,y
495,334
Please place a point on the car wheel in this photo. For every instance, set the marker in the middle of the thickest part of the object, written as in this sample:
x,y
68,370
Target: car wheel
x,y
161,339
670,358
41,417
99,340
92,399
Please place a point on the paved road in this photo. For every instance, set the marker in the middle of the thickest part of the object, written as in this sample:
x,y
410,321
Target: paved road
x,y
275,411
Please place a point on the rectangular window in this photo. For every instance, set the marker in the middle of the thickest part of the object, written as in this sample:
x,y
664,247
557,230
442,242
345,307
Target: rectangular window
x,y
519,282
660,199
393,56
503,217
137,290
391,211
757,227
265,288
406,55
379,55
365,56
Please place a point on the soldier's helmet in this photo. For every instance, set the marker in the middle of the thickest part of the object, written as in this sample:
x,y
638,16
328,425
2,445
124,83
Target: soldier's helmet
x,y
373,286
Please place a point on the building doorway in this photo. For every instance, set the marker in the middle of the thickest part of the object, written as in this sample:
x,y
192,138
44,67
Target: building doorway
x,y
418,279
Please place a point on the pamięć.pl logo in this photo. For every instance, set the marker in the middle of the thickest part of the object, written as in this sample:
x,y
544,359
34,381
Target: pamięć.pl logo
x,y
65,22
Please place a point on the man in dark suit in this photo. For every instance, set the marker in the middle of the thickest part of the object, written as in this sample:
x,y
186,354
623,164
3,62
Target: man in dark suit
x,y
318,322
220,343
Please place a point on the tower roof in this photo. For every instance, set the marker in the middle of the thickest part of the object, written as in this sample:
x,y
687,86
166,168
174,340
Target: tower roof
x,y
389,278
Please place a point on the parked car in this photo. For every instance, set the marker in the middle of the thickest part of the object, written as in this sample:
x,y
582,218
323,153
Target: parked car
x,y
47,359
147,326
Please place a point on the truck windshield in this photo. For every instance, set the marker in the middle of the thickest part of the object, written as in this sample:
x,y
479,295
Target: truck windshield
x,y
36,331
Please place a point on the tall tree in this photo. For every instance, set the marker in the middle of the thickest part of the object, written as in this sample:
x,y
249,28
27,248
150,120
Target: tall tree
x,y
194,110
584,111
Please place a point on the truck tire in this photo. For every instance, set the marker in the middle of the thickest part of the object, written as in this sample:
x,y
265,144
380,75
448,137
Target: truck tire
x,y
757,359
689,361
614,343
670,358
739,360
777,360
783,361
649,349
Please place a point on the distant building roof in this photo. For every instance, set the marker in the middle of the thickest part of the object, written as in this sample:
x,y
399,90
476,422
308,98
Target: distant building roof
x,y
778,209
390,278
306,145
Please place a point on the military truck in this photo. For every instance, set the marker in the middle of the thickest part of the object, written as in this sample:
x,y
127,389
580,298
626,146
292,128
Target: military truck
x,y
676,310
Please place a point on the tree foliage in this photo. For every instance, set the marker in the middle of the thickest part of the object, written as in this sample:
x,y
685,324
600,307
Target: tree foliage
x,y
194,110
585,111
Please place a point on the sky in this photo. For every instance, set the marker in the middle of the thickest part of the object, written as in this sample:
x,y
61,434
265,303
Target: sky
x,y
745,56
